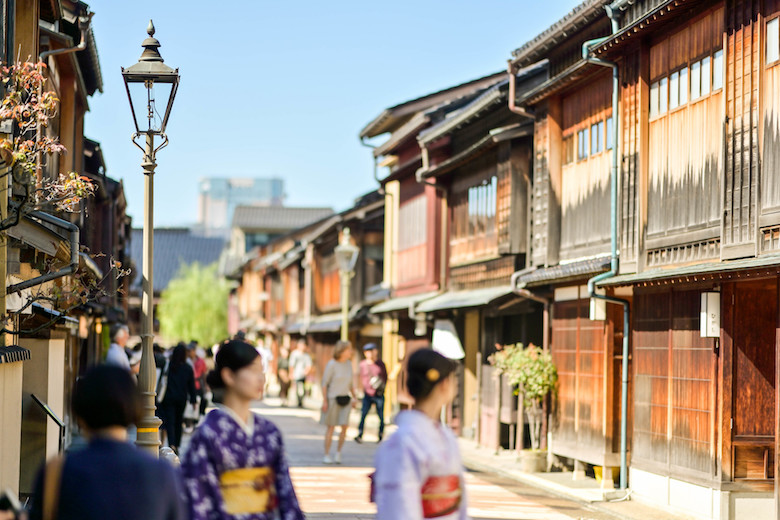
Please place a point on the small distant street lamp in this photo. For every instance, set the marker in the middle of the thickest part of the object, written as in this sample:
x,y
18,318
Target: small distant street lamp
x,y
145,81
346,256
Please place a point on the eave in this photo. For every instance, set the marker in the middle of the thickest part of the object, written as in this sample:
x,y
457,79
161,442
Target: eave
x,y
576,19
657,19
485,144
577,72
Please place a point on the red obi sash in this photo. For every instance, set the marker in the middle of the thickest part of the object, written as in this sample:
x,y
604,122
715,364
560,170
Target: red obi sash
x,y
441,496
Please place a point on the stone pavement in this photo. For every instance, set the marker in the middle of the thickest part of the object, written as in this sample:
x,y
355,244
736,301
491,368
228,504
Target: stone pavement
x,y
341,491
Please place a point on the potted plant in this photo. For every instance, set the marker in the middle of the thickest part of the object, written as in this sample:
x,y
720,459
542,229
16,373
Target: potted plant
x,y
535,375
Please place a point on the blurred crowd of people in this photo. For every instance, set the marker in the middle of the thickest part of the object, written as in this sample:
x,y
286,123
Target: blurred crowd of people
x,y
235,465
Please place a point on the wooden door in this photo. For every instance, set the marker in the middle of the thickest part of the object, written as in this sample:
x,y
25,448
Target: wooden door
x,y
753,375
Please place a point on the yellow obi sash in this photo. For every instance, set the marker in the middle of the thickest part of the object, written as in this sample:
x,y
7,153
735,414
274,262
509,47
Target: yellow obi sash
x,y
441,496
248,490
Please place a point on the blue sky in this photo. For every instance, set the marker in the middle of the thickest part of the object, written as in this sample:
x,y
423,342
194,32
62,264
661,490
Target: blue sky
x,y
281,89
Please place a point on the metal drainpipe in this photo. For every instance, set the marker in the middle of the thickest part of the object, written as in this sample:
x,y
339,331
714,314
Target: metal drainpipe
x,y
441,189
512,70
84,23
614,263
74,254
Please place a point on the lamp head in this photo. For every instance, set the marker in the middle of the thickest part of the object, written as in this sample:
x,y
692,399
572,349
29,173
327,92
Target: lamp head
x,y
145,81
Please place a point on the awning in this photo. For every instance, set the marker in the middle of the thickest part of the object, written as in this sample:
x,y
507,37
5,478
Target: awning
x,y
564,272
445,340
768,265
13,354
401,303
463,299
325,323
55,316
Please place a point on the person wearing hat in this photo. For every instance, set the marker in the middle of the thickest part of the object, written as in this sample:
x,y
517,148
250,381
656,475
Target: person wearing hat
x,y
373,378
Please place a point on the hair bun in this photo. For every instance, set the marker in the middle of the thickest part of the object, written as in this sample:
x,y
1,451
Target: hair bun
x,y
214,379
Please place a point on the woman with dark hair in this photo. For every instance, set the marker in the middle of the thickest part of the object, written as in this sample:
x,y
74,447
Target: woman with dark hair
x,y
235,465
181,386
110,474
419,473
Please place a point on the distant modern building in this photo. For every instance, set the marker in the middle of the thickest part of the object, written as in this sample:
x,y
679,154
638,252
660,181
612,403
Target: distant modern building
x,y
219,197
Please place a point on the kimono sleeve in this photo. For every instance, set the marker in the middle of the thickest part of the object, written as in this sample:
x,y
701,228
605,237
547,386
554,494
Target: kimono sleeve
x,y
397,481
201,482
288,502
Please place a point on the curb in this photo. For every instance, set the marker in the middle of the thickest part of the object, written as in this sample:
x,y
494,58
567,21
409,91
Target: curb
x,y
558,491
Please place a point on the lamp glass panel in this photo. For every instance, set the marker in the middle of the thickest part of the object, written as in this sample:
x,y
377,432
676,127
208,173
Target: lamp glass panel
x,y
146,101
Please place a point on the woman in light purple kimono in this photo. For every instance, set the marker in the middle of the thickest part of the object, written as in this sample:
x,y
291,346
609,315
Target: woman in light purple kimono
x,y
235,466
419,473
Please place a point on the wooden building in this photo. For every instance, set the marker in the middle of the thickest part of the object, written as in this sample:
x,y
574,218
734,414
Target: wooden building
x,y
698,141
415,239
570,233
46,349
290,288
697,214
481,154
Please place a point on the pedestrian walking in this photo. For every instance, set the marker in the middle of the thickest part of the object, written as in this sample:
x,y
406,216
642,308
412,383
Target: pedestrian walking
x,y
419,472
337,394
110,475
235,465
180,389
283,374
301,366
373,378
116,354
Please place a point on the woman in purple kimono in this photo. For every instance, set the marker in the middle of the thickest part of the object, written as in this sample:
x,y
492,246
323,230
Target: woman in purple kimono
x,y
235,466
419,473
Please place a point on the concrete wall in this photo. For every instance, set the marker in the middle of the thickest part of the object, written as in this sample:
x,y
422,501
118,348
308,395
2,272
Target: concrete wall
x,y
699,501
44,376
10,424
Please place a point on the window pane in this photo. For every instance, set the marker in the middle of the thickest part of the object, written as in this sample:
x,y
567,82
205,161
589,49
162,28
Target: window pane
x,y
773,40
654,99
585,143
705,76
601,135
674,90
717,70
594,139
696,80
684,86
610,135
663,97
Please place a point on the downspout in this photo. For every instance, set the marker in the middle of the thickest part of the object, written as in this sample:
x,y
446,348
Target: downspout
x,y
74,254
443,246
614,263
84,23
512,71
376,172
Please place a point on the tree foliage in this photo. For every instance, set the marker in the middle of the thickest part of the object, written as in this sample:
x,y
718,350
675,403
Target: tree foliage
x,y
534,372
194,305
30,107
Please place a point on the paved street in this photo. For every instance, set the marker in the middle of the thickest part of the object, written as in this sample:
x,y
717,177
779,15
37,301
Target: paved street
x,y
341,491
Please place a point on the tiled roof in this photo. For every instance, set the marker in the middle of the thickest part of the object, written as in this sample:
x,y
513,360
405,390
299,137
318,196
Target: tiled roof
x,y
172,248
276,218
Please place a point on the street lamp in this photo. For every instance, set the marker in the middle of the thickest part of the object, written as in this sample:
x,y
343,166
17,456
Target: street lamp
x,y
346,256
145,81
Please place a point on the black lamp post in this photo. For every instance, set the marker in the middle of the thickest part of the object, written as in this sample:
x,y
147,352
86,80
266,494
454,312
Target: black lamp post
x,y
144,81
